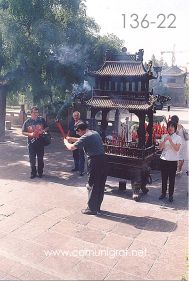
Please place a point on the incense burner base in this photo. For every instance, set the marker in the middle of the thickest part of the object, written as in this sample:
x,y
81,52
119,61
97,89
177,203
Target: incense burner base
x,y
136,170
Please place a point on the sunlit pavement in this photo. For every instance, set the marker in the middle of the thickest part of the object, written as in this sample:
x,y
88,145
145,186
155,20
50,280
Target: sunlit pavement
x,y
44,236
181,112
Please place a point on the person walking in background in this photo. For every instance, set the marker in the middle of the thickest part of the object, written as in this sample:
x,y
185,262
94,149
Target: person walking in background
x,y
170,145
78,154
97,170
181,131
33,128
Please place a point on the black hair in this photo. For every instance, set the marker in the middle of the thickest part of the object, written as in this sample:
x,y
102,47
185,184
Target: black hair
x,y
175,119
172,124
81,126
34,108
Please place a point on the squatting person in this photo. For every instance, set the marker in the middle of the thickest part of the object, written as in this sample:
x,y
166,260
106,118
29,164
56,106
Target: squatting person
x,y
33,128
97,171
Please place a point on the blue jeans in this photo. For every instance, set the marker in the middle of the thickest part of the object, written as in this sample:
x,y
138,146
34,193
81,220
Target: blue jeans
x,y
79,160
36,150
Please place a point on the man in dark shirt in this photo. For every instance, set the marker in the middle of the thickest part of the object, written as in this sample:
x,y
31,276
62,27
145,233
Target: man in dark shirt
x,y
93,147
33,128
78,154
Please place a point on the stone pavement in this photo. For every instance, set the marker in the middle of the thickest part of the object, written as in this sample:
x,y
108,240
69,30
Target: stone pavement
x,y
44,236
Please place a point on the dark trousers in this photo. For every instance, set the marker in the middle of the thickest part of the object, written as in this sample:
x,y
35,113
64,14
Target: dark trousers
x,y
168,171
97,171
79,160
36,150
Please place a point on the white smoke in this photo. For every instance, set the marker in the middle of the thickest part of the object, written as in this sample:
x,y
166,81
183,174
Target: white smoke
x,y
67,55
81,90
86,86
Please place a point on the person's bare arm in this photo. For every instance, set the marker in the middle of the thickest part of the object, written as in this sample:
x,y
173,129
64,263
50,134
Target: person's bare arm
x,y
30,135
35,133
70,146
72,139
175,146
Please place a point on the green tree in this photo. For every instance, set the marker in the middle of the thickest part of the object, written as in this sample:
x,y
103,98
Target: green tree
x,y
40,47
3,88
98,47
45,46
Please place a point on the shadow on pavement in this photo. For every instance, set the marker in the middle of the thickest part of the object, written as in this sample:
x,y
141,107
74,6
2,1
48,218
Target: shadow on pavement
x,y
14,165
152,197
145,223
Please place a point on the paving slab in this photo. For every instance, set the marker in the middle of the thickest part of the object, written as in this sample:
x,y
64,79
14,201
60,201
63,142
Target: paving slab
x,y
44,235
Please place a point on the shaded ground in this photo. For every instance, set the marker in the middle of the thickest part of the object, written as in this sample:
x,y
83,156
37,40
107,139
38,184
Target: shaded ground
x,y
43,234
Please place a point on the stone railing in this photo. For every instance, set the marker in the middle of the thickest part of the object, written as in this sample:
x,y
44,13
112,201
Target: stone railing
x,y
16,118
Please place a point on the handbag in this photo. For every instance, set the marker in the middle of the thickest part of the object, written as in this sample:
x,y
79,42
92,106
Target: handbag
x,y
46,139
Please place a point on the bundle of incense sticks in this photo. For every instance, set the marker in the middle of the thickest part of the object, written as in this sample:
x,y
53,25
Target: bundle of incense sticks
x,y
61,129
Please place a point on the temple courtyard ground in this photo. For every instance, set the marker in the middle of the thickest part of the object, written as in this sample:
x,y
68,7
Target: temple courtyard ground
x,y
44,236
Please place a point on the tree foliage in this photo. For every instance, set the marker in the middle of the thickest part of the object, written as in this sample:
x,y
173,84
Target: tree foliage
x,y
48,43
98,47
34,32
45,46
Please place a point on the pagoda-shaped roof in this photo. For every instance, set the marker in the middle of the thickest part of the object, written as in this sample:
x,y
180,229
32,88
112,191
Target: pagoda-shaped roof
x,y
173,71
121,103
120,68
122,65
